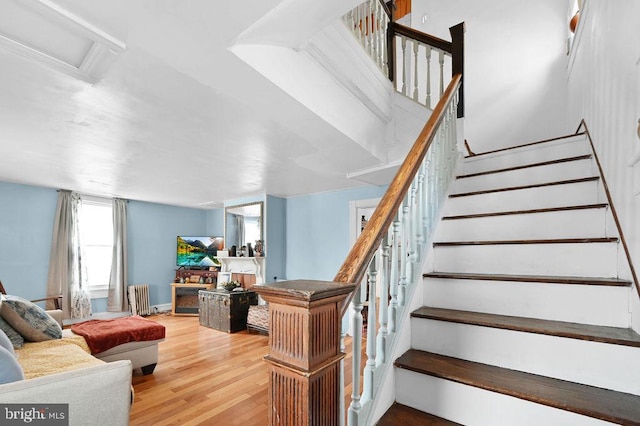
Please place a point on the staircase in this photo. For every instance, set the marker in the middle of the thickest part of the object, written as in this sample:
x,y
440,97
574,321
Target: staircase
x,y
526,305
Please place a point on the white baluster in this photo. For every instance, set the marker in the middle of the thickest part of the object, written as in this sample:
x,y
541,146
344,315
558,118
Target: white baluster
x,y
385,50
372,320
405,88
441,60
413,238
395,275
369,31
404,251
376,33
420,207
384,280
428,99
343,348
356,362
416,46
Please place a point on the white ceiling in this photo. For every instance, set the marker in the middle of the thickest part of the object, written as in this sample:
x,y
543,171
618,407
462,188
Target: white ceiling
x,y
177,119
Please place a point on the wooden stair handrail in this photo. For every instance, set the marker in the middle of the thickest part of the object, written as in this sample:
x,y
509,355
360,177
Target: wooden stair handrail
x,y
355,265
425,38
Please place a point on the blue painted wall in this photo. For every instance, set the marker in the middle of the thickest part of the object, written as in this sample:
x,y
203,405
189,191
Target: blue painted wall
x,y
276,232
215,223
152,231
26,225
307,237
26,221
317,232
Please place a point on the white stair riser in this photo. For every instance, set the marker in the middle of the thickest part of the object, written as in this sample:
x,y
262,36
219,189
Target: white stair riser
x,y
473,406
591,363
526,199
588,223
582,259
533,154
533,175
587,304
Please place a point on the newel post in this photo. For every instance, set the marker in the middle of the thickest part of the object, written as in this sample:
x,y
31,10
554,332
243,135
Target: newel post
x,y
304,351
457,60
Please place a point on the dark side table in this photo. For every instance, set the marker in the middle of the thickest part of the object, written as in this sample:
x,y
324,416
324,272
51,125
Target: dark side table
x,y
225,310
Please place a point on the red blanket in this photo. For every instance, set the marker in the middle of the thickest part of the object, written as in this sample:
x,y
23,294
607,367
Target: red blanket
x,y
102,335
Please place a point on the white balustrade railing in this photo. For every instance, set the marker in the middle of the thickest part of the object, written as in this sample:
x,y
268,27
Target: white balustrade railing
x,y
395,269
420,70
418,67
369,23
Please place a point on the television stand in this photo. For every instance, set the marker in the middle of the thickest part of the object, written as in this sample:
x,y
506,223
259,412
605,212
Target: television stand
x,y
184,298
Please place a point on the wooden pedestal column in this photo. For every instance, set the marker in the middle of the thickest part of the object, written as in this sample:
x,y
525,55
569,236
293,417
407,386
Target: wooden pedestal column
x,y
304,351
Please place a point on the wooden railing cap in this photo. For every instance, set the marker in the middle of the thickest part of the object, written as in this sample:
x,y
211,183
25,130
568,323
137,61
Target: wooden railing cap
x,y
303,290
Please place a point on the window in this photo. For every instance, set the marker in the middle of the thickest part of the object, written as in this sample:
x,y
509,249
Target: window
x,y
96,227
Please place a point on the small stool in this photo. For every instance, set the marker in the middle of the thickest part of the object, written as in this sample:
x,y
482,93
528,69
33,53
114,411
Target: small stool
x,y
133,338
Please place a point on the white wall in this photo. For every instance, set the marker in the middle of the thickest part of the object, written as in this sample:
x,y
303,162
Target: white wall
x,y
604,89
515,54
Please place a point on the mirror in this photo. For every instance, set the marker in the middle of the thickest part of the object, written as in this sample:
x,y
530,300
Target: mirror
x,y
243,224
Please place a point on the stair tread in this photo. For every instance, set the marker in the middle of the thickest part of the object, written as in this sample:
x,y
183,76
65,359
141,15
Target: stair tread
x,y
400,414
526,166
542,241
549,279
517,188
530,211
510,148
604,404
594,333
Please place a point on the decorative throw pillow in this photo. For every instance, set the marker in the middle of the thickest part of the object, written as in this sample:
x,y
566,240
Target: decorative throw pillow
x,y
10,370
30,320
14,337
5,342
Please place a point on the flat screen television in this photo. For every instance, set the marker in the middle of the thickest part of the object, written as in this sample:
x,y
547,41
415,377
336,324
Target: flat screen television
x,y
198,251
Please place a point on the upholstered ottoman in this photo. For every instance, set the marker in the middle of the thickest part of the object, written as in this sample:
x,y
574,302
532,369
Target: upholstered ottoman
x,y
133,338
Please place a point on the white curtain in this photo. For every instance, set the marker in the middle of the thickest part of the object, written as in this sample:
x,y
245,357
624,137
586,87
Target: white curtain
x,y
117,299
67,272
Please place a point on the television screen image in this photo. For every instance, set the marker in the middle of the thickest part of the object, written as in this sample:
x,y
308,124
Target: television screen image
x,y
198,251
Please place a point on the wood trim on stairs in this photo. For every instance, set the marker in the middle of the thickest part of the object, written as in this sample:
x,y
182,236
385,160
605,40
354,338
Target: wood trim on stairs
x,y
403,415
592,333
527,166
545,279
528,144
532,211
517,188
604,404
516,242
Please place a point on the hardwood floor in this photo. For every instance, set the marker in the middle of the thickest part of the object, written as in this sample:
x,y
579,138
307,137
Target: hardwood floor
x,y
207,377
203,377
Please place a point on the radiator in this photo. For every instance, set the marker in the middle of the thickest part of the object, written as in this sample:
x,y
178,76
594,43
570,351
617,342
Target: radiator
x,y
139,299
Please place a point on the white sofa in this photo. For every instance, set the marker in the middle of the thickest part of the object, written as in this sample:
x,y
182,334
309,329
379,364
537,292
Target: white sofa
x,y
62,371
97,396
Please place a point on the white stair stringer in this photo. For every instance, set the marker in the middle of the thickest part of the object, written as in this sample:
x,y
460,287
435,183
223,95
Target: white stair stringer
x,y
597,364
470,405
585,304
